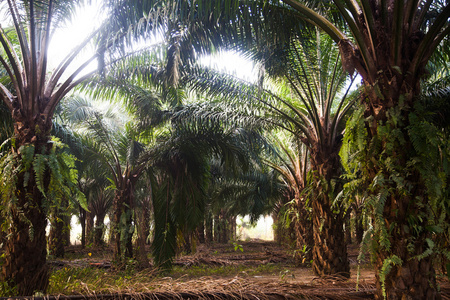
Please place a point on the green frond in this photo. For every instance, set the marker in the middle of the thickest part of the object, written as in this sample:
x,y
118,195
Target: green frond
x,y
39,167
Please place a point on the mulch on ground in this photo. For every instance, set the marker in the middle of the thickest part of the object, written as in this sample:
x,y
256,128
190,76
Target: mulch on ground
x,y
298,283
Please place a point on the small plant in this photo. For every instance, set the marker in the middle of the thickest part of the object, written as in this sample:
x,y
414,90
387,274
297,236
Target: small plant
x,y
286,273
302,253
6,290
238,247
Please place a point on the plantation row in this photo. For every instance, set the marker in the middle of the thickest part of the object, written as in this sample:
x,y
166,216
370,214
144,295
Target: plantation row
x,y
345,126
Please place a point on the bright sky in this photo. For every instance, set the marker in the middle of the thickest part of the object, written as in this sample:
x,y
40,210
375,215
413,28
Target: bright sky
x,y
90,17
85,20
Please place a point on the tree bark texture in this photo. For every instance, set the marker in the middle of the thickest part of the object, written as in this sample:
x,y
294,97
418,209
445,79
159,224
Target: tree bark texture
x,y
304,238
330,249
348,230
359,225
90,215
56,238
99,229
223,227
209,238
147,213
26,246
201,233
82,217
67,219
142,226
277,228
123,228
413,278
186,244
389,104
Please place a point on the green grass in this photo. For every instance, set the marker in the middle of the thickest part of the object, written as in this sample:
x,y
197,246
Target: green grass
x,y
87,280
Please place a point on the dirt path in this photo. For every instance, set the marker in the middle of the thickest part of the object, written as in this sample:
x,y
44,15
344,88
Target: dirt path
x,y
262,270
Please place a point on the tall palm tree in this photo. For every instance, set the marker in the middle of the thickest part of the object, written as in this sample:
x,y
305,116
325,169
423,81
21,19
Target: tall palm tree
x,y
389,43
183,165
120,153
318,82
32,97
95,185
292,166
313,108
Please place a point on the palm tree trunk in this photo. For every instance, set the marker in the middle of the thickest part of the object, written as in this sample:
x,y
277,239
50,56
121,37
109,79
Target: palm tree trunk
x,y
56,240
404,211
304,238
123,229
99,228
359,225
201,233
232,227
277,228
26,243
141,255
186,242
222,229
82,217
90,226
216,229
59,227
330,248
348,230
208,227
23,249
146,210
409,278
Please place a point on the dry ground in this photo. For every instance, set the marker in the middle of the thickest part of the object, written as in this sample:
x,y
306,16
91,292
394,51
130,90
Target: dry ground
x,y
262,270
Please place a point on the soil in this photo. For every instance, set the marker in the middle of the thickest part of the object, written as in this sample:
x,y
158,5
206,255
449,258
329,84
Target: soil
x,y
253,270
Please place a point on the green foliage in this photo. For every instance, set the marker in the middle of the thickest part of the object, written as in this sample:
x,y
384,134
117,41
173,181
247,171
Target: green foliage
x,y
387,266
53,173
406,160
6,290
87,280
237,246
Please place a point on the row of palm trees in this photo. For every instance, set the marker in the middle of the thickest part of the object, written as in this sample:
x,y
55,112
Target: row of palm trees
x,y
169,143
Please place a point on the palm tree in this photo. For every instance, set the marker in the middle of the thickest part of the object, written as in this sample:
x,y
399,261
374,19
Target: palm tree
x,y
184,164
32,97
293,168
313,108
251,192
389,43
119,151
6,132
315,77
95,185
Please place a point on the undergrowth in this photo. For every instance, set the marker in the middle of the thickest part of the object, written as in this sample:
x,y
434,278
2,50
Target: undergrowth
x,y
89,280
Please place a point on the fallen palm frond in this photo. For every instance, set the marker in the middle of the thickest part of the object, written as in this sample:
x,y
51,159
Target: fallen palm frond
x,y
237,288
211,274
197,261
